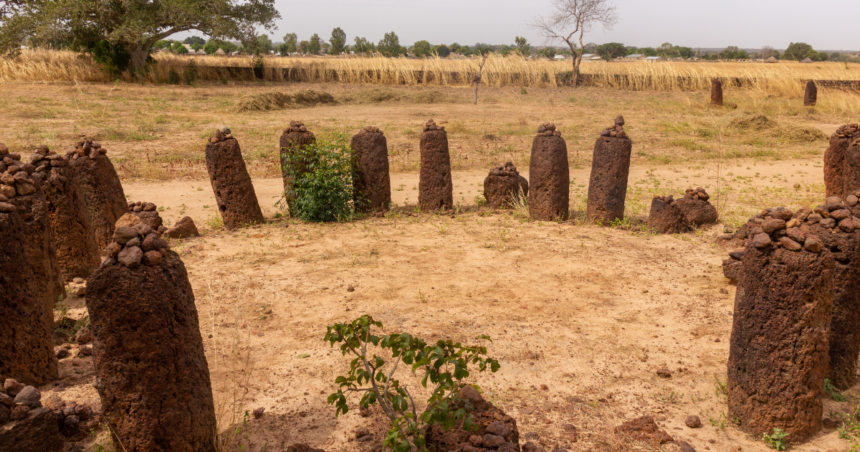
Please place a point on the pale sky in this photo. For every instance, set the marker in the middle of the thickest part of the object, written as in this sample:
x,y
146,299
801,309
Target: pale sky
x,y
825,24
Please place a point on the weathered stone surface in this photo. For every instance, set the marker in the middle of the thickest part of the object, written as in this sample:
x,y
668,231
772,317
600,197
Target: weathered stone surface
x,y
810,96
183,228
834,159
666,217
716,92
607,187
851,169
549,176
435,187
494,429
644,429
102,191
37,432
74,236
731,269
504,185
26,351
152,375
372,181
33,210
697,209
778,357
234,192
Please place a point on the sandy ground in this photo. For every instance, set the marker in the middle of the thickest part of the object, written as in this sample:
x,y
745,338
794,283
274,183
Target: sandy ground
x,y
591,313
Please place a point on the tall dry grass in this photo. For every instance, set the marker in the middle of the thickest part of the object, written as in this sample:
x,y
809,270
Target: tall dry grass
x,y
774,79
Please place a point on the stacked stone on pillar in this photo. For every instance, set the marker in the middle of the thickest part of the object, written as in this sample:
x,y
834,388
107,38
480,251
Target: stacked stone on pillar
x,y
839,231
33,210
372,181
26,351
234,192
834,160
78,251
778,355
549,176
435,187
151,371
101,187
669,216
504,187
147,212
810,96
610,167
697,208
294,156
716,92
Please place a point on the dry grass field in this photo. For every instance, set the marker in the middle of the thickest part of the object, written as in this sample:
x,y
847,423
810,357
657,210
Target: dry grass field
x,y
581,316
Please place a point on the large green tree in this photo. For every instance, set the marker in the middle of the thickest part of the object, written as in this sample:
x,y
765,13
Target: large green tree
x,y
338,41
125,30
523,45
611,50
290,44
797,51
362,45
421,48
314,45
390,45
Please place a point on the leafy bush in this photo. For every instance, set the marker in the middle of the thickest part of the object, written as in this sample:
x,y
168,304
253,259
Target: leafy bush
x,y
776,440
444,364
322,177
191,73
173,77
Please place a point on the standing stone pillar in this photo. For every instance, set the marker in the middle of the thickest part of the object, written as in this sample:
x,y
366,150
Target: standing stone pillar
x,y
504,186
810,97
101,186
778,356
716,92
151,370
666,217
75,239
851,168
834,225
370,165
610,166
834,159
294,159
234,192
33,211
549,176
26,351
435,187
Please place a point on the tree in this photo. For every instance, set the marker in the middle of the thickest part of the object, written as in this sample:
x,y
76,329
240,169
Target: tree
x,y
314,45
178,48
194,40
338,41
834,55
210,47
390,45
303,48
522,46
796,51
455,48
590,47
571,20
823,56
128,29
547,52
163,44
442,50
263,45
290,43
325,48
362,45
421,48
611,50
766,52
665,49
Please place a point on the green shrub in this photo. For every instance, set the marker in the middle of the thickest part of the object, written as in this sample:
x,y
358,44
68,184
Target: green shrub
x,y
191,73
173,77
322,178
776,440
444,364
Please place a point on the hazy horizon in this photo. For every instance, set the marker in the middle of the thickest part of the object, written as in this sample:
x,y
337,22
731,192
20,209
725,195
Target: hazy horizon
x,y
746,24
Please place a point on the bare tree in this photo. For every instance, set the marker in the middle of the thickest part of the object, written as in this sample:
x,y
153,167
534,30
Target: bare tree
x,y
572,18
767,52
476,79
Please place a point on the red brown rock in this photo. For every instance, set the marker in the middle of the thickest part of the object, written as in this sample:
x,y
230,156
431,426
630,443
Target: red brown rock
x,y
151,371
697,209
644,429
810,96
666,217
26,350
851,169
183,228
101,187
495,429
147,212
778,356
75,239
549,174
435,187
610,167
504,185
234,192
36,432
372,181
716,92
834,160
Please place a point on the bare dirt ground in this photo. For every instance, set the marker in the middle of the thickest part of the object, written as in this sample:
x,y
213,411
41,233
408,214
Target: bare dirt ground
x,y
581,316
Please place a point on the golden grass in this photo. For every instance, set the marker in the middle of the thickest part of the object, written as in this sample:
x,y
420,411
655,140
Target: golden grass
x,y
783,78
